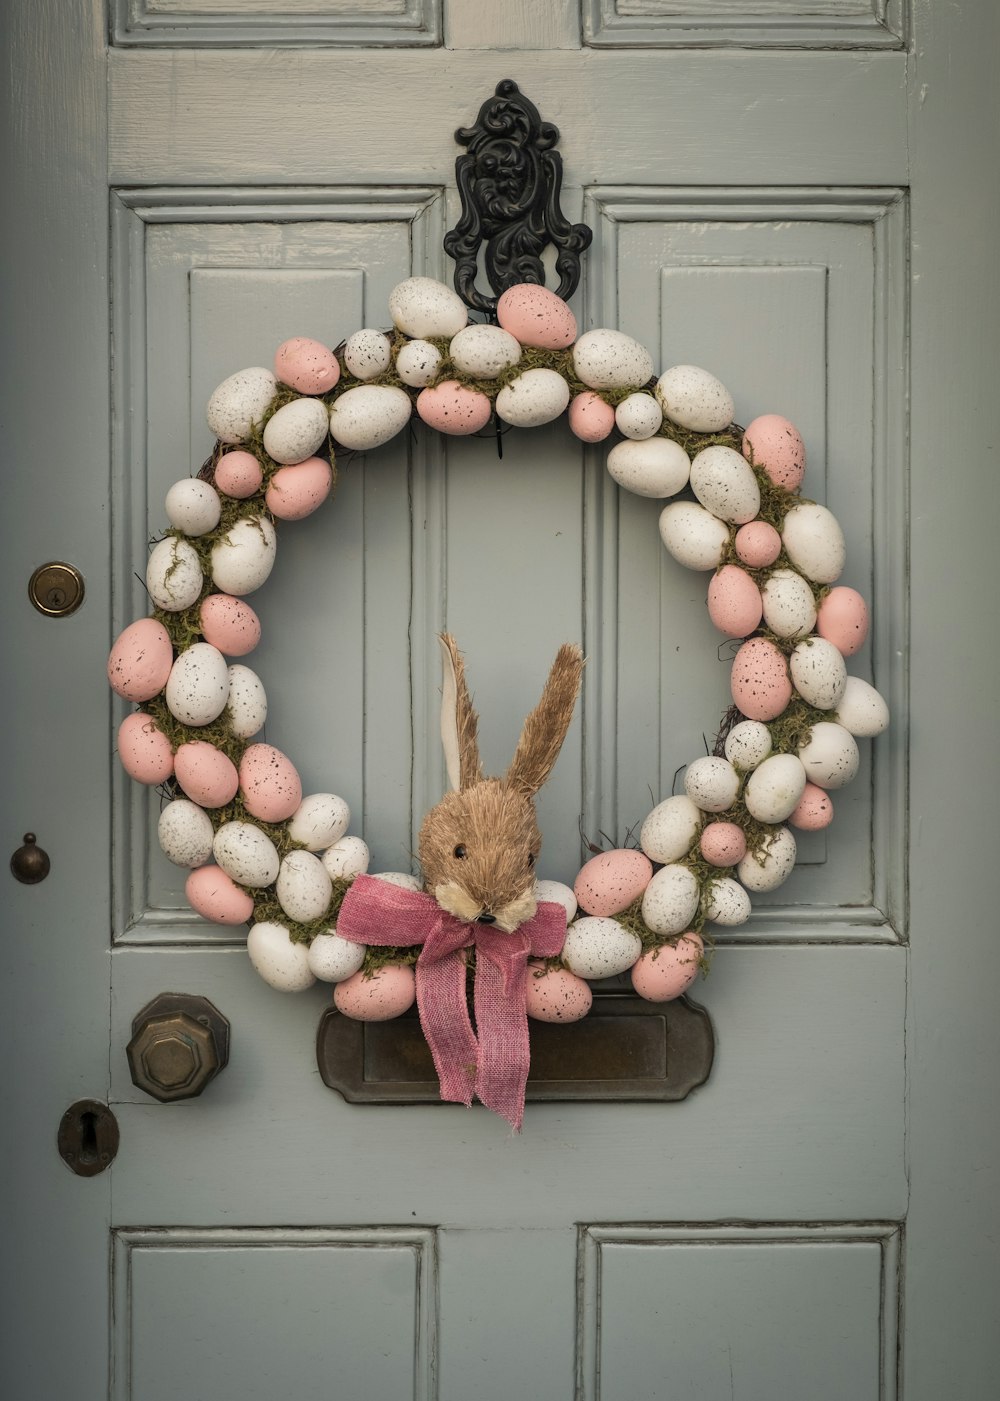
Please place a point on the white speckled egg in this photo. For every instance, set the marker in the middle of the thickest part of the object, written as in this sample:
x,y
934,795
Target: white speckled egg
x,y
814,542
606,359
320,820
693,535
193,506
279,962
346,858
247,702
670,900
830,756
417,363
861,710
819,672
173,575
654,467
771,867
711,783
789,605
728,903
556,893
332,959
536,397
748,744
483,351
185,833
671,829
244,557
401,878
694,398
246,854
423,307
198,685
239,403
724,483
368,353
369,415
598,947
638,417
304,887
296,430
773,790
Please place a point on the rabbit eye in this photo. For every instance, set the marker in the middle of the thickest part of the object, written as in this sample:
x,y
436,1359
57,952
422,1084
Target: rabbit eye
x,y
459,852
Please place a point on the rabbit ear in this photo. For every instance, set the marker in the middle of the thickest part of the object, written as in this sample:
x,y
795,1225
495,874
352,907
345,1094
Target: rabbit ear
x,y
458,719
546,726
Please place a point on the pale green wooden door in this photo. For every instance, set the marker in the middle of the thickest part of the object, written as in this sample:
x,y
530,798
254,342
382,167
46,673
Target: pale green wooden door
x,y
798,197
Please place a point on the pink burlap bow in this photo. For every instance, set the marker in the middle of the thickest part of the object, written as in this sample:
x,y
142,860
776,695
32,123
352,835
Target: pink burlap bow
x,y
494,1066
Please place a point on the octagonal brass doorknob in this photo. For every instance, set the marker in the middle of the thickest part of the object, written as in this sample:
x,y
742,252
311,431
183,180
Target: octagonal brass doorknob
x,y
179,1044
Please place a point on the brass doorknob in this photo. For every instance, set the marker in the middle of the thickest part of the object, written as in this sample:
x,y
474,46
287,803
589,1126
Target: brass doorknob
x,y
179,1044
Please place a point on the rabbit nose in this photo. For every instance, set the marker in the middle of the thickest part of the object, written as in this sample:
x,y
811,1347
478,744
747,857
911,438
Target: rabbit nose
x,y
487,919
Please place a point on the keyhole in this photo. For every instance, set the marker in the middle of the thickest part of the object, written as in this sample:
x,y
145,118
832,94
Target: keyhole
x,y
55,598
88,1137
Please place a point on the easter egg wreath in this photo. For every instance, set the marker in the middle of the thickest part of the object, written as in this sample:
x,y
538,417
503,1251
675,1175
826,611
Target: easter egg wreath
x,y
260,853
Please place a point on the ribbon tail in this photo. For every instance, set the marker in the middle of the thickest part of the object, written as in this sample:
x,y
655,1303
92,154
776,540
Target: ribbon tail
x,y
444,1017
504,1049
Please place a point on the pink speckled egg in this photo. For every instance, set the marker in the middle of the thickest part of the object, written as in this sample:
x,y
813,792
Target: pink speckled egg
x,y
609,882
269,782
734,602
386,994
664,973
213,894
776,446
842,619
144,750
140,660
450,408
590,418
295,492
555,996
814,810
760,682
758,544
238,474
723,844
308,366
229,624
208,776
536,316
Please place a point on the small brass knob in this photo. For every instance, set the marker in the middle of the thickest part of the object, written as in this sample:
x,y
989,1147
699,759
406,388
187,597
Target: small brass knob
x,y
30,864
179,1044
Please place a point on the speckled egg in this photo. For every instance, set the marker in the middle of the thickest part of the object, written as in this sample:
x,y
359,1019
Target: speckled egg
x,y
422,307
814,542
246,854
193,506
270,785
638,417
214,895
144,750
819,672
401,878
239,403
282,964
654,467
606,359
861,710
609,882
757,544
238,474
534,398
367,353
140,660
229,624
663,974
332,959
536,317
711,783
243,558
772,866
599,948
693,535
306,365
843,620
207,776
789,605
671,829
319,821
773,443
296,430
197,688
590,418
451,408
173,575
830,756
774,788
814,810
555,994
295,492
304,887
759,681
734,601
346,858
670,900
484,351
247,702
723,844
417,363
748,744
728,903
185,833
725,485
553,892
386,994
694,398
369,415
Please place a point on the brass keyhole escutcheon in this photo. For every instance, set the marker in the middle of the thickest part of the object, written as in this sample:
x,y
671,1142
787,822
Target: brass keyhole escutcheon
x,y
56,589
88,1137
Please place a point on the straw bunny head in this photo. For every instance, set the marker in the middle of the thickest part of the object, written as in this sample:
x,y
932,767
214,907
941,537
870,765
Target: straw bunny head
x,y
479,845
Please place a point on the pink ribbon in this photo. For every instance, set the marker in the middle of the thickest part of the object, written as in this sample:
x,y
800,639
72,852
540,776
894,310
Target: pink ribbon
x,y
493,1066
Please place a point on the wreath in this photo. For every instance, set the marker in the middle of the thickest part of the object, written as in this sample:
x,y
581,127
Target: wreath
x,y
261,853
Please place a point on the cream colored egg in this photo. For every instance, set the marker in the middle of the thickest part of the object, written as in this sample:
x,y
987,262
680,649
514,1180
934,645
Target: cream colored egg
x,y
670,900
606,359
598,947
320,820
279,962
693,398
789,604
534,398
484,351
728,903
693,535
861,710
748,744
173,575
819,672
830,756
417,363
654,467
247,702
246,854
369,415
197,688
814,542
304,887
639,417
724,483
556,893
332,959
193,506
239,404
185,833
711,783
423,307
296,431
243,558
346,858
368,354
401,878
774,788
671,829
772,866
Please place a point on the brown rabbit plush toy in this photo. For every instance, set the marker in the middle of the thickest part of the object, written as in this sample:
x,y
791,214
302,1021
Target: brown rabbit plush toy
x,y
478,849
